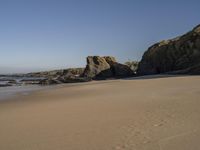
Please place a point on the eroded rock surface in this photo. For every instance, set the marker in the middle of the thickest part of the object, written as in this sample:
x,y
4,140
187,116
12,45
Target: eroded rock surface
x,y
180,55
105,67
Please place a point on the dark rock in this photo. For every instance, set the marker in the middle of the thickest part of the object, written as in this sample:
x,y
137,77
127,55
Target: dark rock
x,y
12,82
70,75
121,70
133,65
72,79
194,70
181,53
97,66
58,73
105,67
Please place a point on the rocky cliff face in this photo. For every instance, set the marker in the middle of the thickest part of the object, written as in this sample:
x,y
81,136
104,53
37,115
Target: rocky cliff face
x,y
105,67
180,55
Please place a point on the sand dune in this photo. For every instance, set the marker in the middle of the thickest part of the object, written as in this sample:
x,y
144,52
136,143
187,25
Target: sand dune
x,y
148,114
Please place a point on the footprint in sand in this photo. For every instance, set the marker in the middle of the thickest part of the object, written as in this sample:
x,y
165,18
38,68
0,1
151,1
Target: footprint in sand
x,y
133,137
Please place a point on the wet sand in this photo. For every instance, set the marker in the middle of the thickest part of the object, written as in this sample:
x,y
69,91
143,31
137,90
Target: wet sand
x,y
9,91
133,114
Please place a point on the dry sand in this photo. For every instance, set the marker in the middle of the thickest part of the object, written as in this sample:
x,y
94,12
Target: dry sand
x,y
139,114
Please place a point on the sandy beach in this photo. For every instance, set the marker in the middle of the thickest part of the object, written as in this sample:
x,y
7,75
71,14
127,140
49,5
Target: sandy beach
x,y
155,113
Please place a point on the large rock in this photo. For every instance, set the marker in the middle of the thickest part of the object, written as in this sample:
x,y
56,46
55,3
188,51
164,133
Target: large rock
x,y
181,53
105,67
119,70
110,60
97,67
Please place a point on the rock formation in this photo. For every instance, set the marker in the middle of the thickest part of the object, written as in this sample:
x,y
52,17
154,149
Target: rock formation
x,y
133,65
57,73
105,67
179,55
97,67
71,75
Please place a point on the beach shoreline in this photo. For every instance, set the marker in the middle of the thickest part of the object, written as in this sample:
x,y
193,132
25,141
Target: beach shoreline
x,y
12,91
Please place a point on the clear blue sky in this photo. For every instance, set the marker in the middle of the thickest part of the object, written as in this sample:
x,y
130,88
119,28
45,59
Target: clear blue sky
x,y
51,34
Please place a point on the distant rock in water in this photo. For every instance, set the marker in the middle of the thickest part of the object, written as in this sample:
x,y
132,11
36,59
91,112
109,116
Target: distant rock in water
x,y
105,67
71,75
58,73
179,55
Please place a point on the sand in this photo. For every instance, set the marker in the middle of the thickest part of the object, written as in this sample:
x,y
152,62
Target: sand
x,y
132,114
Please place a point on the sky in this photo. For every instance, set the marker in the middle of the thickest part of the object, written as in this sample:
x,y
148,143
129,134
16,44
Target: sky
x,y
40,35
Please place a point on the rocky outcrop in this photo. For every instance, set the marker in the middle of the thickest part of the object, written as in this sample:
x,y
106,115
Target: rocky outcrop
x,y
180,55
105,67
71,75
118,70
57,73
72,79
133,65
97,67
